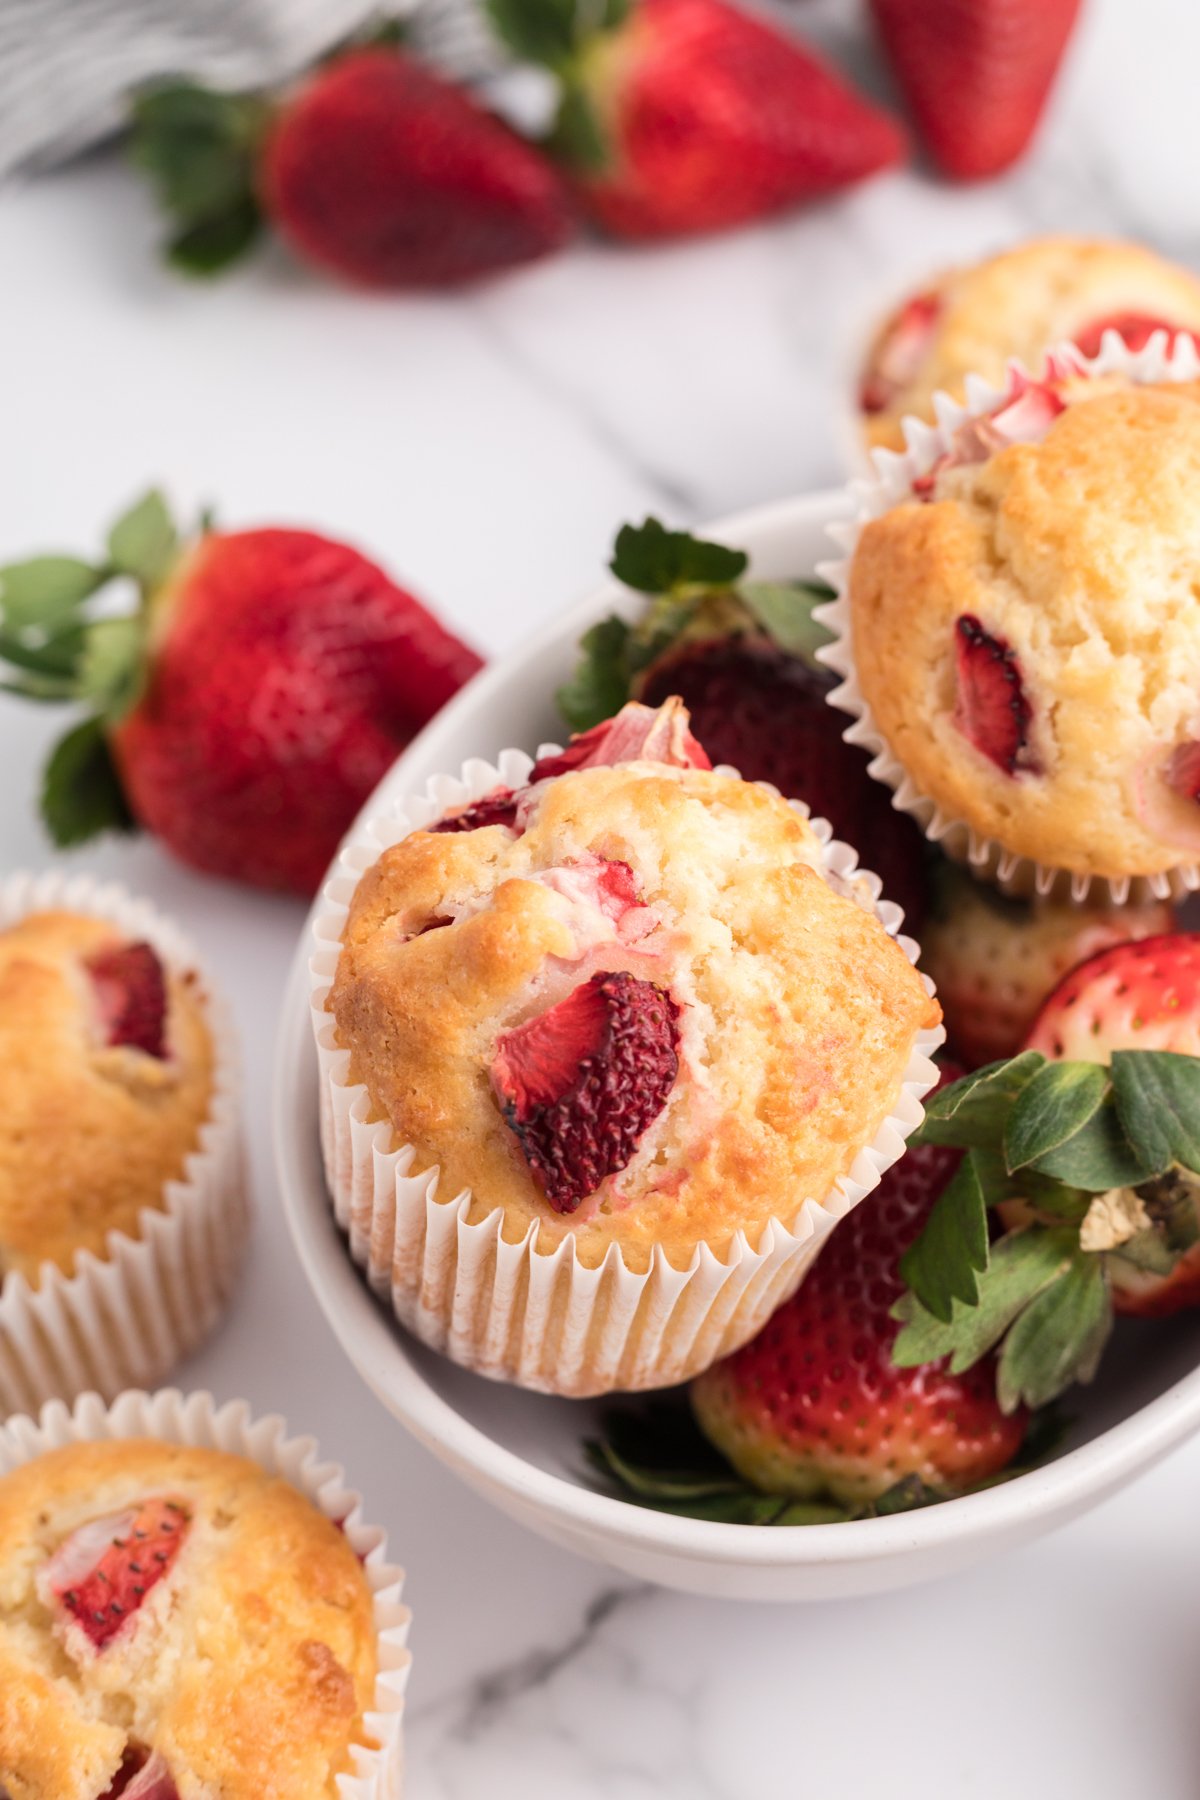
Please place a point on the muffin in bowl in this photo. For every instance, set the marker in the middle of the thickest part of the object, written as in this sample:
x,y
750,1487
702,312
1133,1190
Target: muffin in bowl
x,y
1022,629
1020,303
637,1025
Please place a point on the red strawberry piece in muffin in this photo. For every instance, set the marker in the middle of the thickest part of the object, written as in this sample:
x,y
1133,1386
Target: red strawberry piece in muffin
x,y
100,1576
581,1083
131,995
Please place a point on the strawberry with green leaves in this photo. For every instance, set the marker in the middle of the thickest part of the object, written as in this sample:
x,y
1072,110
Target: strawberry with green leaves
x,y
241,707
810,1422
741,655
680,116
374,168
994,960
1088,1147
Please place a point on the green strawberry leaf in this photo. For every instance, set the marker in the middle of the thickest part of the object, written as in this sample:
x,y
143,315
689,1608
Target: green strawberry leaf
x,y
654,560
655,1484
46,591
112,672
546,32
973,1112
81,791
1020,1265
57,655
201,150
906,1495
784,609
1058,1339
599,686
210,245
1097,1157
1060,1100
1158,1104
947,1259
577,138
143,542
1148,1251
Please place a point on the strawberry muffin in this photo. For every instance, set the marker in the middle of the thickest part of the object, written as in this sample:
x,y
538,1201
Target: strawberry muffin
x,y
176,1624
106,1077
626,1005
1018,304
1024,629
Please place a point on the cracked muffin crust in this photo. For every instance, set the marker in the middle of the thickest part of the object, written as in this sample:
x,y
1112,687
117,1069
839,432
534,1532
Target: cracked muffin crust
x,y
106,1067
1026,629
1017,304
175,1624
634,1012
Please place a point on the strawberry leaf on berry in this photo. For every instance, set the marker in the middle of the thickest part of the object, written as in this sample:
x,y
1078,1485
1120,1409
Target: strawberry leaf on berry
x,y
972,1112
653,560
144,541
1020,1265
1058,1339
46,591
1157,1095
1059,1102
947,1259
200,149
82,794
599,685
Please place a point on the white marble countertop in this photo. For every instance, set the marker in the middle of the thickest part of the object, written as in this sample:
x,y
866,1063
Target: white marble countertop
x,y
486,447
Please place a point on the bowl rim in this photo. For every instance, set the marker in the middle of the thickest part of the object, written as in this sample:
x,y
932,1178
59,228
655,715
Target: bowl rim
x,y
374,1344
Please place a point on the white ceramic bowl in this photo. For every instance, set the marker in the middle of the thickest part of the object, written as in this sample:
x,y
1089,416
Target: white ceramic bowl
x,y
522,1451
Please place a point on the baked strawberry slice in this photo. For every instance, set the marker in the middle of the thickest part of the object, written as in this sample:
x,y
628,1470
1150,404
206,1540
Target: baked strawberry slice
x,y
991,709
1135,329
976,73
899,352
657,733
581,1083
100,1575
143,1775
130,990
681,116
499,807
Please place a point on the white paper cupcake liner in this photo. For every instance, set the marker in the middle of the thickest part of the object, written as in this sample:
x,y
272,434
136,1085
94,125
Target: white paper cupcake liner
x,y
126,1319
543,1319
891,483
197,1421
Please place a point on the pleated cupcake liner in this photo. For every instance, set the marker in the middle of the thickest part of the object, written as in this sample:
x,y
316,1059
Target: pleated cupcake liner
x,y
196,1420
890,484
543,1318
127,1318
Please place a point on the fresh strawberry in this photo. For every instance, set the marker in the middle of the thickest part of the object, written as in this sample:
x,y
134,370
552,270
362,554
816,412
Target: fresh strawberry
x,y
813,1404
740,654
131,997
991,708
976,73
899,351
688,115
1135,329
581,1083
374,168
143,1775
994,960
245,709
1140,996
101,1574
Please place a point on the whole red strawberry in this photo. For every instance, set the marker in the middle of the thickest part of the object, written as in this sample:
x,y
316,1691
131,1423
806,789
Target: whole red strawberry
x,y
246,709
976,73
739,653
1139,996
813,1405
689,115
375,168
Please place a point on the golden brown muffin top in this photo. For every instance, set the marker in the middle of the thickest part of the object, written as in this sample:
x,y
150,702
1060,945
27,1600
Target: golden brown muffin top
x,y
247,1666
1017,304
796,1014
91,1130
1077,556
